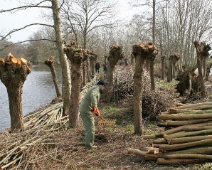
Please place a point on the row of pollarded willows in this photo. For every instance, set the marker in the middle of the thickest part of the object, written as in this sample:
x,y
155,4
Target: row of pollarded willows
x,y
187,138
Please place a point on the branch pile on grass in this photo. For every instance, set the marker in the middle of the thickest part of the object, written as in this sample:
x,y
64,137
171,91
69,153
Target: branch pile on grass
x,y
187,138
153,102
15,148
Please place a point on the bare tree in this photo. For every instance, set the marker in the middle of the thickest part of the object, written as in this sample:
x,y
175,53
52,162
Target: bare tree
x,y
81,17
63,59
180,23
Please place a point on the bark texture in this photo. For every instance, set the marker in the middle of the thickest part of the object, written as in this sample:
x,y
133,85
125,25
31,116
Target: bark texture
x,y
50,64
76,57
142,52
13,73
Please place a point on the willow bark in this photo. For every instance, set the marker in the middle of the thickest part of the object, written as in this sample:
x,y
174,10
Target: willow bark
x,y
66,89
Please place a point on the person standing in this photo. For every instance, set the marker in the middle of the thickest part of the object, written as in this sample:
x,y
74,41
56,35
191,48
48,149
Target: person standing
x,y
88,108
97,66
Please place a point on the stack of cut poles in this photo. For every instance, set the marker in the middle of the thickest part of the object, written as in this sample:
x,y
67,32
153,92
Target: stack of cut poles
x,y
187,138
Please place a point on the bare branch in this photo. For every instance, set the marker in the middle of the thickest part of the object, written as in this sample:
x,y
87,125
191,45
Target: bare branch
x,y
18,29
26,6
20,42
62,4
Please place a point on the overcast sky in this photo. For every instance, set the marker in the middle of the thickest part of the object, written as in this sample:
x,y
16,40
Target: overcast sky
x,y
10,21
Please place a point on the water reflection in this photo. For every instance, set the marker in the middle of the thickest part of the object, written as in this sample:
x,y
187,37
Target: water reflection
x,y
38,91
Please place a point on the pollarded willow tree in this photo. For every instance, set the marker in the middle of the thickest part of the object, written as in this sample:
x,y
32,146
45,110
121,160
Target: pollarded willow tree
x,y
76,57
115,55
142,52
202,50
13,73
172,65
92,58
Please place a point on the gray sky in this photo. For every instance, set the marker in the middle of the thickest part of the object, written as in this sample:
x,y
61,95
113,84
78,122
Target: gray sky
x,y
10,21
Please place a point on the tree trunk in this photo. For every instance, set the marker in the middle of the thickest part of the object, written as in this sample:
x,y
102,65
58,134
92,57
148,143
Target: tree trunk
x,y
200,77
142,52
163,67
75,96
15,105
76,57
116,54
169,73
152,75
13,73
66,90
137,94
50,64
92,64
202,52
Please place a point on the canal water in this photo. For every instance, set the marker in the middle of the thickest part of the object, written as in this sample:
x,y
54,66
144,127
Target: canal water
x,y
38,91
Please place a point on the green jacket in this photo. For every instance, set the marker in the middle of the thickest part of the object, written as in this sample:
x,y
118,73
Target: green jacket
x,y
90,99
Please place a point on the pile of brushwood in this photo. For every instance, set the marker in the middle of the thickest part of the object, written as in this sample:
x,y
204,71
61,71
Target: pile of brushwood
x,y
153,102
187,138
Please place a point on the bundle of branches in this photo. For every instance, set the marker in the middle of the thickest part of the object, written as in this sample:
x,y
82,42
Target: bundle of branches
x,y
188,139
16,147
123,82
153,102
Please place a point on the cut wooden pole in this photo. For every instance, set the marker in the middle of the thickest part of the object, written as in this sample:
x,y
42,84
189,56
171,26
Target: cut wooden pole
x,y
195,106
163,161
195,150
188,156
184,116
136,152
184,134
189,139
171,123
168,147
200,126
